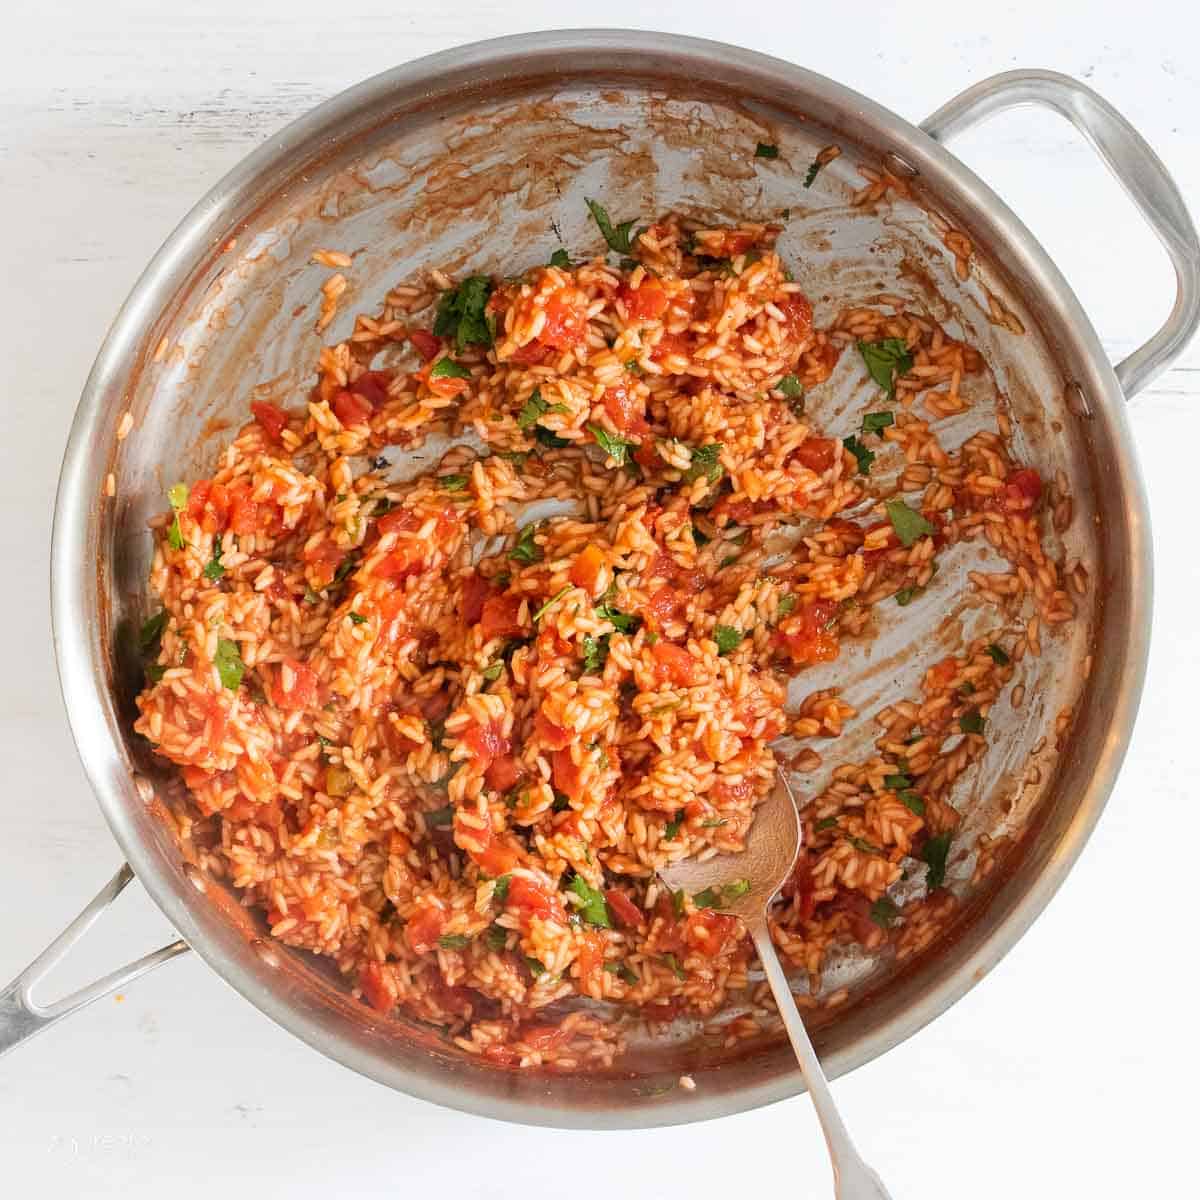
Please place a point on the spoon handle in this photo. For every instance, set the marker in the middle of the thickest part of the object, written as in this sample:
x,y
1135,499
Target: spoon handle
x,y
852,1178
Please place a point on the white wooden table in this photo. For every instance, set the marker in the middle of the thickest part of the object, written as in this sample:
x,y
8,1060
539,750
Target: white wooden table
x,y
1063,1073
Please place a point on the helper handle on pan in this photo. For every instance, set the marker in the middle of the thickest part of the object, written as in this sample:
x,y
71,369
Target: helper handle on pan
x,y
1135,165
21,1016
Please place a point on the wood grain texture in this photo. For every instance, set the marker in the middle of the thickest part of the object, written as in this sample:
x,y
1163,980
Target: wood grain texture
x,y
114,119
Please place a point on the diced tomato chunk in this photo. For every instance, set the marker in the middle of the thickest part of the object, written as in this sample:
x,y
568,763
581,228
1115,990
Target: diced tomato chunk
x,y
352,409
552,736
669,345
798,315
534,898
807,636
665,604
486,743
566,773
295,685
208,505
585,570
1022,490
378,987
542,1037
475,591
646,455
707,932
244,512
673,664
532,354
502,773
817,454
727,243
565,325
626,912
625,409
497,858
940,675
272,418
646,302
501,616
407,559
727,791
372,386
425,927
425,344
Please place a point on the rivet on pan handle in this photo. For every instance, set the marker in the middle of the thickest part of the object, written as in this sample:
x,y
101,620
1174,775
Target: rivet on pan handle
x,y
1139,170
21,1016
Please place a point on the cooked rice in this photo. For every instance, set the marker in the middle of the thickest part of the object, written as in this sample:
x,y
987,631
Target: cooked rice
x,y
450,750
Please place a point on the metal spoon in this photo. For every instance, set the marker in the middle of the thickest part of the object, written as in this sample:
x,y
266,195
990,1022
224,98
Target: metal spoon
x,y
770,855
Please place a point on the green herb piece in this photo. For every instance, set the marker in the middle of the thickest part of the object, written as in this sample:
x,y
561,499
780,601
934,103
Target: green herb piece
x,y
175,535
617,448
619,239
721,896
447,368
345,567
766,150
791,387
454,941
311,597
150,635
213,569
934,855
912,801
536,407
439,818
677,903
601,756
966,687
875,422
896,783
909,525
825,823
462,313
177,495
358,618
518,458
971,722
595,654
865,847
651,638
535,967
229,664
884,912
560,258
706,462
497,937
622,972
671,961
541,612
886,361
672,828
500,891
864,456
814,169
550,439
727,638
634,366
621,622
526,550
453,483
998,655
906,595
493,671
715,823
785,605
594,909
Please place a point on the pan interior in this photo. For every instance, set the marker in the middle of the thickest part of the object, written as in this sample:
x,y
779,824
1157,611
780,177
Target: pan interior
x,y
495,184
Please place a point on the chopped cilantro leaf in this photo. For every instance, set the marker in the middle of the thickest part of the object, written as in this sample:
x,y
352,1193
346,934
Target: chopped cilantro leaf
x,y
909,525
864,456
594,909
727,638
358,618
526,550
896,783
814,169
884,912
998,655
535,967
453,483
440,817
493,671
785,605
906,595
621,622
497,937
934,854
766,150
706,462
875,422
886,361
541,612
619,239
825,823
912,801
536,407
617,448
550,439
595,653
971,722
622,972
791,387
229,664
721,896
462,315
177,495
214,569
864,846
677,903
671,961
447,368
560,258
454,941
672,828
500,891
150,635
713,823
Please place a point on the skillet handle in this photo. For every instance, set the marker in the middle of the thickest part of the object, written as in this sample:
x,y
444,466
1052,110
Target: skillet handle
x,y
1137,168
21,1016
